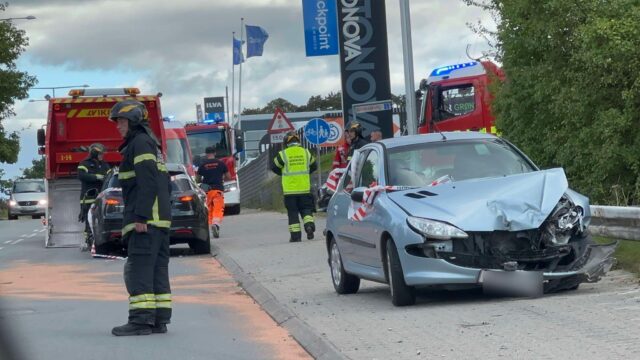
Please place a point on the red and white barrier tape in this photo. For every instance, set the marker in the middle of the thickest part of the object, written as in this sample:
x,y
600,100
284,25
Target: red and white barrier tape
x,y
111,257
334,178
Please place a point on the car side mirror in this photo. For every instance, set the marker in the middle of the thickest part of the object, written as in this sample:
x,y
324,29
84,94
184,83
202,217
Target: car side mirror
x,y
358,194
239,142
205,187
7,192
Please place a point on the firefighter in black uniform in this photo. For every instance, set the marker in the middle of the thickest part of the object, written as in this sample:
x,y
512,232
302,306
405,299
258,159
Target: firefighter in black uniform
x,y
357,139
91,172
146,222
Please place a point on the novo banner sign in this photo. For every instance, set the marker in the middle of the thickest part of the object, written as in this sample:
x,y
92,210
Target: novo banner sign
x,y
364,61
320,27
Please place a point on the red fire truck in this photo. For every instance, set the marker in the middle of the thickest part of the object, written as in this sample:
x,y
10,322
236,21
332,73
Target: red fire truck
x,y
74,123
228,142
456,97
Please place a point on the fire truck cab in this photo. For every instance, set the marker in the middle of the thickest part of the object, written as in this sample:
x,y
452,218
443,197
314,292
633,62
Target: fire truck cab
x,y
228,142
456,98
74,123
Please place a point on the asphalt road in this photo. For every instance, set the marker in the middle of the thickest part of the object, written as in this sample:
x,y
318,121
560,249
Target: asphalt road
x,y
597,321
62,304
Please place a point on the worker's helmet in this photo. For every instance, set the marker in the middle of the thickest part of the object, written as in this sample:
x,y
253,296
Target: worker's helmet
x,y
96,149
357,127
291,137
130,109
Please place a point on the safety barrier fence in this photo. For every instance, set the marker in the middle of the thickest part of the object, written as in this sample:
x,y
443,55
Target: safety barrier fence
x,y
619,222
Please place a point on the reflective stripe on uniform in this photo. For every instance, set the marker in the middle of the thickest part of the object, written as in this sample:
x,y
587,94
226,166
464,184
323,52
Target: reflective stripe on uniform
x,y
81,167
154,211
162,167
127,228
124,175
295,228
143,301
160,223
163,301
143,157
87,201
307,219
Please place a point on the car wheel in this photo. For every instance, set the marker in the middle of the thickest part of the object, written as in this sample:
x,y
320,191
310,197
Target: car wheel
x,y
35,216
343,283
401,293
13,217
233,210
200,247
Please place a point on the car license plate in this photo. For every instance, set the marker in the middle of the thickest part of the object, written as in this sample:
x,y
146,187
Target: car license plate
x,y
512,283
28,208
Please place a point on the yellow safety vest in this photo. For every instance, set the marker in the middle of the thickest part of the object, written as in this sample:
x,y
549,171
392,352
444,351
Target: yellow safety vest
x,y
295,170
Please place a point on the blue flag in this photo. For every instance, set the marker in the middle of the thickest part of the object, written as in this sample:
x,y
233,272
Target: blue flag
x,y
237,52
256,37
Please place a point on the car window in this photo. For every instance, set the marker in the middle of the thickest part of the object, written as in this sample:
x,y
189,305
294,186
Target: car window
x,y
28,186
353,171
457,101
369,173
112,182
422,164
180,184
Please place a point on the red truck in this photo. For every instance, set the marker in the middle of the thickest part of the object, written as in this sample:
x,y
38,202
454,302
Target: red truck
x,y
74,123
228,142
456,97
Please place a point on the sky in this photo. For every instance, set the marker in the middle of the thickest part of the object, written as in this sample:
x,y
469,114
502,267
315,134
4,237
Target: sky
x,y
183,49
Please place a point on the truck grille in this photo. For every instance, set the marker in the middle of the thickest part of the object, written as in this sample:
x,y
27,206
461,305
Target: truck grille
x,y
27,203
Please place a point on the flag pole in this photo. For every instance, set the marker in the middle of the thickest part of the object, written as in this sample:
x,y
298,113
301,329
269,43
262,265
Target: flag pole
x,y
240,75
233,79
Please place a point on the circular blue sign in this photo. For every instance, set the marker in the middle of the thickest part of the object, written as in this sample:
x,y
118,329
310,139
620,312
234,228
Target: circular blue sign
x,y
317,131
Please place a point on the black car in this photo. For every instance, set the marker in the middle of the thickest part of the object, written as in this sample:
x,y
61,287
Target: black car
x,y
188,213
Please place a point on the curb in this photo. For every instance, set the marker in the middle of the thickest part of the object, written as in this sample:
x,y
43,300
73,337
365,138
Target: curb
x,y
315,344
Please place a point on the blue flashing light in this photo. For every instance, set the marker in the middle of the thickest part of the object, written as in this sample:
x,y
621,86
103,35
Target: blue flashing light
x,y
446,70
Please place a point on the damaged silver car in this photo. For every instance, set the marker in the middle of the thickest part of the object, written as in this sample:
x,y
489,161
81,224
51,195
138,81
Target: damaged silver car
x,y
458,210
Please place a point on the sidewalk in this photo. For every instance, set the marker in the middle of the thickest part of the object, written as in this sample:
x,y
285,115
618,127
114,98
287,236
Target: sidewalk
x,y
293,283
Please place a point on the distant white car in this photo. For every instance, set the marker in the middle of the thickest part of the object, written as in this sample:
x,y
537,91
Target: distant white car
x,y
27,197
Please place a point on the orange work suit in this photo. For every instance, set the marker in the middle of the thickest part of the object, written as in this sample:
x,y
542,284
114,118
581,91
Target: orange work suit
x,y
215,203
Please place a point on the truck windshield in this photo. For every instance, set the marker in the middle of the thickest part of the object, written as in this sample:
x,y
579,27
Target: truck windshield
x,y
177,152
28,186
216,138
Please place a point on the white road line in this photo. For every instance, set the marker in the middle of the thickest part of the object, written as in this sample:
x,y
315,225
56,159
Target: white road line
x,y
32,235
42,230
8,241
17,241
36,230
23,235
1,248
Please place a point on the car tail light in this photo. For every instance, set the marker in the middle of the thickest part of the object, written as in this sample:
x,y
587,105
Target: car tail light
x,y
112,202
184,231
185,198
113,205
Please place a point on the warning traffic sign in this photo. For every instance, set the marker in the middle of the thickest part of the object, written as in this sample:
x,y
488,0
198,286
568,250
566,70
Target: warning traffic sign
x,y
279,123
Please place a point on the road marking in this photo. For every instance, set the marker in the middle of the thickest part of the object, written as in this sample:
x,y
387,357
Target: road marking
x,y
36,230
41,230
8,241
32,235
23,235
1,248
17,241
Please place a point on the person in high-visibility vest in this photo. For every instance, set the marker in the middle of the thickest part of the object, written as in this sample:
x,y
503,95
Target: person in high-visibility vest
x,y
91,172
295,164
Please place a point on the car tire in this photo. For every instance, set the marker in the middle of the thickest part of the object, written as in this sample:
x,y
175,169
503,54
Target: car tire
x,y
35,216
200,247
13,217
343,283
233,210
401,293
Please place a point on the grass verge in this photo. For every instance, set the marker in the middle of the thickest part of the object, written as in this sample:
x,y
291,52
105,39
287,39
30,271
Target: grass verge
x,y
627,254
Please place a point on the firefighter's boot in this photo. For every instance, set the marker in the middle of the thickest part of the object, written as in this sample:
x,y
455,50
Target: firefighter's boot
x,y
295,237
159,328
130,329
215,229
309,228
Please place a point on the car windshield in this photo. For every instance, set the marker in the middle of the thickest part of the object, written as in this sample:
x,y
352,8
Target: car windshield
x,y
177,152
180,184
28,186
420,165
216,138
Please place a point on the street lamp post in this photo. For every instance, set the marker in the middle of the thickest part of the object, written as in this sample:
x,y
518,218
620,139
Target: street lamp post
x,y
407,51
53,88
30,17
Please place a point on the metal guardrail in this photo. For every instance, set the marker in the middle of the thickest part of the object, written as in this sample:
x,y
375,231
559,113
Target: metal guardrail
x,y
619,222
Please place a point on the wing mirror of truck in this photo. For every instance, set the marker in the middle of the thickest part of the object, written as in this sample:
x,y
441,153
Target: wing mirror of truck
x,y
239,142
41,137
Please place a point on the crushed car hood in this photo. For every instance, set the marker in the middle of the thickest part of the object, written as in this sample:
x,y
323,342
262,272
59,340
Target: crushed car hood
x,y
510,203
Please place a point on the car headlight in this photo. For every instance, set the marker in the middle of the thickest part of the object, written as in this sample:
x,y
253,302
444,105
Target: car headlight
x,y
230,187
435,229
12,203
42,202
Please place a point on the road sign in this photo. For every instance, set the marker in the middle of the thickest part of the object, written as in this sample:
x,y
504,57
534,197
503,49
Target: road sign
x,y
372,107
277,138
279,123
317,131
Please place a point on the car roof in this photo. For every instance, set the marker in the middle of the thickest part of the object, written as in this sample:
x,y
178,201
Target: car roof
x,y
173,169
434,137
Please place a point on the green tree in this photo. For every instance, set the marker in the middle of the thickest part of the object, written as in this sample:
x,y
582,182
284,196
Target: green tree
x,y
36,171
14,84
572,93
